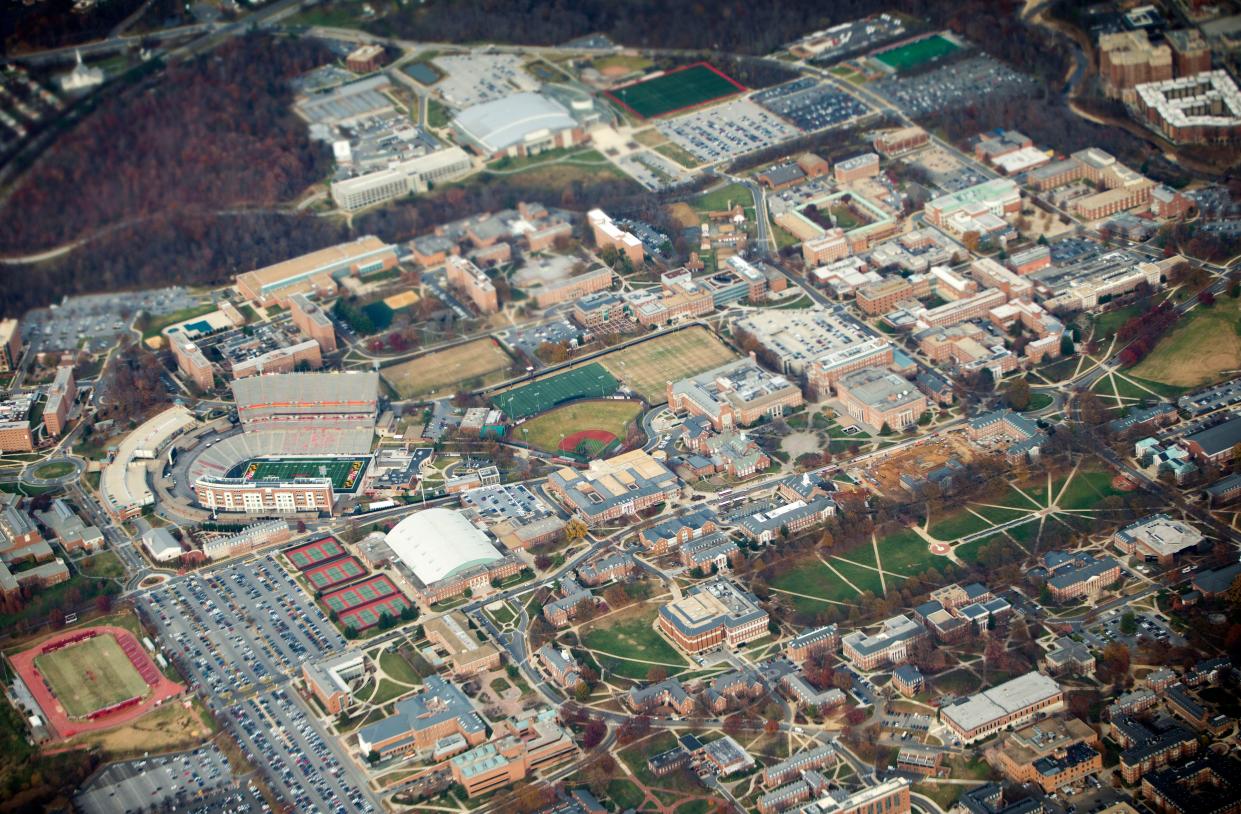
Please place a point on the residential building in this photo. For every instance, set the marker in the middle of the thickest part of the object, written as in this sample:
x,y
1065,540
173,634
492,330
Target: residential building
x,y
1147,750
1068,656
1190,52
1050,753
609,236
560,666
365,58
191,361
466,277
311,320
820,641
1128,59
10,344
60,397
908,680
792,766
666,693
1204,785
1011,703
679,530
1201,109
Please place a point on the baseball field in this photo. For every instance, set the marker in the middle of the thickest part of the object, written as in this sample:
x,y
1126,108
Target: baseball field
x,y
587,381
648,366
439,374
676,90
90,675
592,426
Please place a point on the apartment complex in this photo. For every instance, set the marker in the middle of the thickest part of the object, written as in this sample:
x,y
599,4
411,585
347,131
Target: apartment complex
x,y
10,344
466,277
311,320
191,361
60,397
610,236
1201,109
1129,58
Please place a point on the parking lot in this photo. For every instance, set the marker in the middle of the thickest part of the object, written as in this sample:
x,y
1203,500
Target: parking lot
x,y
471,79
810,105
652,170
240,627
726,131
200,781
97,319
954,86
277,733
529,338
1148,626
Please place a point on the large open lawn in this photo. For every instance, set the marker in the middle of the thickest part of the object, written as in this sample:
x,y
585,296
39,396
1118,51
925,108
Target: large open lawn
x,y
906,553
442,373
683,88
631,636
546,431
717,200
812,578
90,675
956,525
648,366
1201,349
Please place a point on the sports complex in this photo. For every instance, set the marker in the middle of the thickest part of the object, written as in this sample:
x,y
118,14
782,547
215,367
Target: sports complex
x,y
587,381
676,90
92,679
360,606
346,472
915,54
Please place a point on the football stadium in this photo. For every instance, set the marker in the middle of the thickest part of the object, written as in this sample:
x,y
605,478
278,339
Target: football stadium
x,y
676,90
305,441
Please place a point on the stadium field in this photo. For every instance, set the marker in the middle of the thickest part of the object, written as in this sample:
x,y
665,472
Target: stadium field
x,y
329,574
309,555
345,472
914,54
648,366
588,381
610,417
90,675
676,90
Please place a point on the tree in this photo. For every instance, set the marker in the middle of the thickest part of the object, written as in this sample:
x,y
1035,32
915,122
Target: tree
x,y
575,530
656,674
1066,345
594,733
771,727
1017,394
885,429
1128,623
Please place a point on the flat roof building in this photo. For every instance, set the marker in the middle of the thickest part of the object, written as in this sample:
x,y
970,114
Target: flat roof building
x,y
879,398
1157,537
734,394
615,487
1015,701
711,614
317,271
1201,109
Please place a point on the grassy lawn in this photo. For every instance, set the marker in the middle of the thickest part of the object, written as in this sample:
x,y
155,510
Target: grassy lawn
x,y
437,114
157,324
625,794
501,615
636,755
864,578
395,666
960,682
1039,400
1105,325
812,578
104,564
998,515
388,690
631,637
678,154
623,62
906,553
1085,490
1199,349
969,551
55,469
724,197
956,525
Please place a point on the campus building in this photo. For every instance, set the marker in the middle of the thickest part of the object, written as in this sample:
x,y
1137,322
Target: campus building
x,y
446,555
262,498
793,339
1157,538
890,645
412,175
711,614
891,143
613,488
820,641
1128,59
313,322
521,746
1051,753
673,532
888,797
881,297
124,485
736,394
1216,443
316,272
998,197
857,167
464,276
10,344
334,680
878,398
420,722
60,397
825,371
1013,702
457,645
609,236
519,124
191,361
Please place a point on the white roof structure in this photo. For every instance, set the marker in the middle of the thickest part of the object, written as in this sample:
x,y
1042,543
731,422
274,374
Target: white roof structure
x,y
161,545
1008,698
124,483
439,543
516,119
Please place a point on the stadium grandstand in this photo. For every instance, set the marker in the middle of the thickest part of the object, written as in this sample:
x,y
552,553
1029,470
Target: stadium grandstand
x,y
293,401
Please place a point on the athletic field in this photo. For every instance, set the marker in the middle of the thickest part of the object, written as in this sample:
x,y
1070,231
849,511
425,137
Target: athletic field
x,y
329,574
346,473
648,366
912,55
308,555
442,372
90,675
588,381
683,88
609,417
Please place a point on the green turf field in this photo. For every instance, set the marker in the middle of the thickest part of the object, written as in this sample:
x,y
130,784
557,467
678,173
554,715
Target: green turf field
x,y
545,431
90,675
588,381
914,54
346,473
674,91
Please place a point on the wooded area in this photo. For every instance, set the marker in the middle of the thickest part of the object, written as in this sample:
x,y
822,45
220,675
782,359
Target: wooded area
x,y
213,133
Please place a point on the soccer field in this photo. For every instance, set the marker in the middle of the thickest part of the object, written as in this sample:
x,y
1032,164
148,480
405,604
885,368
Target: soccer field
x,y
90,675
588,381
442,372
648,366
905,57
346,473
685,87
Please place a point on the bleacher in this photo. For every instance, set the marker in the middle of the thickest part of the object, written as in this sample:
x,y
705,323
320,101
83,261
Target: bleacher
x,y
220,458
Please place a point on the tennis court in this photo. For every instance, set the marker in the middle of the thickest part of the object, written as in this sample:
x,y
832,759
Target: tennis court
x,y
334,572
676,90
588,381
90,675
345,473
912,55
363,593
311,554
368,615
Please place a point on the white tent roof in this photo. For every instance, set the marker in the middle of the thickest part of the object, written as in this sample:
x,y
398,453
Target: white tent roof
x,y
440,543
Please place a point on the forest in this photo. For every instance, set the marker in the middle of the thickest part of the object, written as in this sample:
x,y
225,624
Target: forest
x,y
52,23
735,26
212,133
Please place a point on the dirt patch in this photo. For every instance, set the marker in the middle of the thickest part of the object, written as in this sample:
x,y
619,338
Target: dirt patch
x,y
684,215
917,460
801,443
